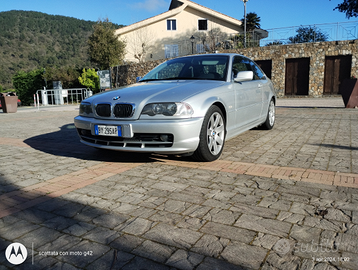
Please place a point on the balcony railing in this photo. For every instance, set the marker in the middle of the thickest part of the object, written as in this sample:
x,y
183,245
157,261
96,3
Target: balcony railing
x,y
332,32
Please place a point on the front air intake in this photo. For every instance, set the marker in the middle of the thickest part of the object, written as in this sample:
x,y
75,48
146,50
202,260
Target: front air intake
x,y
123,110
103,110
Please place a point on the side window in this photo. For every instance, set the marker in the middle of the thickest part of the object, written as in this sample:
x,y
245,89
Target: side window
x,y
171,25
201,48
240,64
245,64
258,74
202,24
171,50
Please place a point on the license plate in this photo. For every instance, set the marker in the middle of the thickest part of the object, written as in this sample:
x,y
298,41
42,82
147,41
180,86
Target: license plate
x,y
108,130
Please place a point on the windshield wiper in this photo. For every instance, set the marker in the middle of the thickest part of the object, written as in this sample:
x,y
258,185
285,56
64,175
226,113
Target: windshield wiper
x,y
149,80
170,78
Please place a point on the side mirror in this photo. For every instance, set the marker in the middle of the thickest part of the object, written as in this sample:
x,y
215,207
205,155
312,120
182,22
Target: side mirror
x,y
244,76
138,79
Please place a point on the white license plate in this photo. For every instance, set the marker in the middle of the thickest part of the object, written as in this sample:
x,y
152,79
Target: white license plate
x,y
104,130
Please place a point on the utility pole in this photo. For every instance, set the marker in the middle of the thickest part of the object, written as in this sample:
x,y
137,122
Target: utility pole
x,y
245,1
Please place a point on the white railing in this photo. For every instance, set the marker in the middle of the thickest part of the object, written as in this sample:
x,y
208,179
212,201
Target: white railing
x,y
48,97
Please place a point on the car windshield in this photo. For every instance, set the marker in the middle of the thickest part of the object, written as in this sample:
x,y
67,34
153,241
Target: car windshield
x,y
213,67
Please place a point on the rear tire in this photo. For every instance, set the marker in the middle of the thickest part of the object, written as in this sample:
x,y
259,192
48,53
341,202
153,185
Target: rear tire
x,y
212,136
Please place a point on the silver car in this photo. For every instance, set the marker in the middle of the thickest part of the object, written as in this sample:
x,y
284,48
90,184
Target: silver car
x,y
185,106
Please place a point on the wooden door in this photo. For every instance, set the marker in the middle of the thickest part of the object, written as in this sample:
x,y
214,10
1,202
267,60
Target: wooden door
x,y
297,76
266,66
337,68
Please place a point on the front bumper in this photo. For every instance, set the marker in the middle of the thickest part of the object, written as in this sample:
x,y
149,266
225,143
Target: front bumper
x,y
177,136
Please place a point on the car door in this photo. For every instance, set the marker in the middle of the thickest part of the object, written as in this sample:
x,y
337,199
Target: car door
x,y
248,94
264,86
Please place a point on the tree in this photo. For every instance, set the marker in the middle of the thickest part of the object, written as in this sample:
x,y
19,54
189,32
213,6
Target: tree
x,y
138,42
90,79
27,83
213,37
274,43
211,40
239,41
252,21
349,7
67,75
30,40
105,49
308,34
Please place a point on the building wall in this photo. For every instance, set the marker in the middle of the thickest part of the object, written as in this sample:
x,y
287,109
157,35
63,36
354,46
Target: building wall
x,y
155,36
316,52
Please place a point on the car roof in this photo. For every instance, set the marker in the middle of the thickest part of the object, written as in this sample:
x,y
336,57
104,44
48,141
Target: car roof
x,y
213,54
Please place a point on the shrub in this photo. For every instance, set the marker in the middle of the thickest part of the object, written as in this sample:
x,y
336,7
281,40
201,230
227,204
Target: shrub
x,y
90,79
27,83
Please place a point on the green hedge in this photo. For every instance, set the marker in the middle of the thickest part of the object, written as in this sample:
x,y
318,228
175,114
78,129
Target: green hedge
x,y
27,83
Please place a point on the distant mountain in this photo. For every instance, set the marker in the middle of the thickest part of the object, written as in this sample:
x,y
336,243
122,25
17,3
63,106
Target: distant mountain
x,y
31,40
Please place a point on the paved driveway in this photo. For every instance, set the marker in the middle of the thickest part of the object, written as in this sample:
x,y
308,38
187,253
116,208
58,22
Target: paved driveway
x,y
280,199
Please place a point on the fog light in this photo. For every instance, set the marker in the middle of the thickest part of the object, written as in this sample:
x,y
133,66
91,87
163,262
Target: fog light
x,y
164,138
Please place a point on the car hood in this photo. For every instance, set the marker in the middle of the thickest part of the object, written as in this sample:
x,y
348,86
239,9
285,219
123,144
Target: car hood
x,y
143,93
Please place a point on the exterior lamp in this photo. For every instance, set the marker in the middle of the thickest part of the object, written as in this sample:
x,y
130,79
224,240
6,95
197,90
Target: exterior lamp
x,y
192,39
245,1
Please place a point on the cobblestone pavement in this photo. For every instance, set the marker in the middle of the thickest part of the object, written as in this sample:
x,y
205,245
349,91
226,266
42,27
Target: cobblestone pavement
x,y
280,199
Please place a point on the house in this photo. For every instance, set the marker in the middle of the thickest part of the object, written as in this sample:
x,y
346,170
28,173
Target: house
x,y
185,28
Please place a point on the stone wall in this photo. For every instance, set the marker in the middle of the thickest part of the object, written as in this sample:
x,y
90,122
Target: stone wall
x,y
127,74
316,52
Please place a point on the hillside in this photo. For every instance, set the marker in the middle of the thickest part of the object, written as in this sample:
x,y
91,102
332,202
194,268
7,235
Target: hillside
x,y
31,40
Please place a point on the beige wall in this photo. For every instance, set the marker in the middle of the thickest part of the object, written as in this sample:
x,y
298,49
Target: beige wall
x,y
155,36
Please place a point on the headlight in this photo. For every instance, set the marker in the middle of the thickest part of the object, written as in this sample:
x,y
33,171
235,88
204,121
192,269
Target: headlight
x,y
86,109
168,109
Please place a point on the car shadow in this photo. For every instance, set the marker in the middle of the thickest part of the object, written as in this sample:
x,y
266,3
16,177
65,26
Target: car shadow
x,y
66,143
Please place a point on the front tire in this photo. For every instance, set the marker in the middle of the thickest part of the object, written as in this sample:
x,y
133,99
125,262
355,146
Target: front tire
x,y
212,136
271,116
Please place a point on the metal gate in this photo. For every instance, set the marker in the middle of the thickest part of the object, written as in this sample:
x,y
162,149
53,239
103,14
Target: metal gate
x,y
297,76
337,69
61,96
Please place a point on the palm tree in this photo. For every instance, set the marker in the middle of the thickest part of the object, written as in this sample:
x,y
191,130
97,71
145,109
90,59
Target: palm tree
x,y
252,21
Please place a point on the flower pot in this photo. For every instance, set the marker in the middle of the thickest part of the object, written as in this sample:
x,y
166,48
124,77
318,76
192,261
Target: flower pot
x,y
9,104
